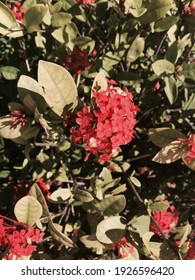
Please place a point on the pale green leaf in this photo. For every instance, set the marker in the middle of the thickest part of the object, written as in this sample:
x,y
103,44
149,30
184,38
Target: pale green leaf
x,y
111,229
136,49
60,195
9,72
171,89
163,66
28,210
59,86
112,205
83,195
36,192
34,17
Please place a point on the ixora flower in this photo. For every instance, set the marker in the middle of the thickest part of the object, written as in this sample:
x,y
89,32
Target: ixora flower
x,y
189,10
166,219
17,10
18,239
190,143
18,117
77,61
86,2
124,249
44,187
108,125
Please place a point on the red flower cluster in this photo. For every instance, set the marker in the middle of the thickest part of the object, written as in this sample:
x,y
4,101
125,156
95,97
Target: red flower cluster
x,y
18,239
109,125
18,117
190,142
191,252
85,1
77,61
190,10
43,186
124,249
17,10
166,219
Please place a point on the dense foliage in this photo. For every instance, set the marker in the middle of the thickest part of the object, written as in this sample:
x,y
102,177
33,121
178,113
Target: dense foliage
x,y
97,141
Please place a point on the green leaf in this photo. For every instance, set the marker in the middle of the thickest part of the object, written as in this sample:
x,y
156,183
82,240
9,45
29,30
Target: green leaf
x,y
159,205
59,86
171,89
165,23
136,49
109,60
162,136
90,241
36,192
183,233
31,94
7,129
190,103
60,19
28,210
134,180
58,34
84,42
60,195
171,153
100,82
83,195
163,66
9,72
34,17
188,71
55,8
139,225
70,33
59,236
111,229
155,10
112,205
8,24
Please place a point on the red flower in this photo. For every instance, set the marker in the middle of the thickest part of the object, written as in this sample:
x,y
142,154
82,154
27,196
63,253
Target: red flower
x,y
77,61
191,252
124,249
17,117
85,1
43,186
166,219
109,125
17,10
189,10
190,143
18,238
156,87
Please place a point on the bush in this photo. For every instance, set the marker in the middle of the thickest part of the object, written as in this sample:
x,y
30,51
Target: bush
x,y
97,142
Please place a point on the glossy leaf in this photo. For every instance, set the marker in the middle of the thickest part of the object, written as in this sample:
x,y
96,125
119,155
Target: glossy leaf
x,y
28,210
165,23
60,19
59,86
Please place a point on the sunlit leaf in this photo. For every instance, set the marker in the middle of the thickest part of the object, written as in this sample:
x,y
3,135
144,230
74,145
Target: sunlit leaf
x,y
9,72
60,195
171,89
83,195
8,24
7,129
59,86
136,49
139,225
111,229
100,82
36,192
34,17
165,23
90,241
28,210
163,66
171,153
59,236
